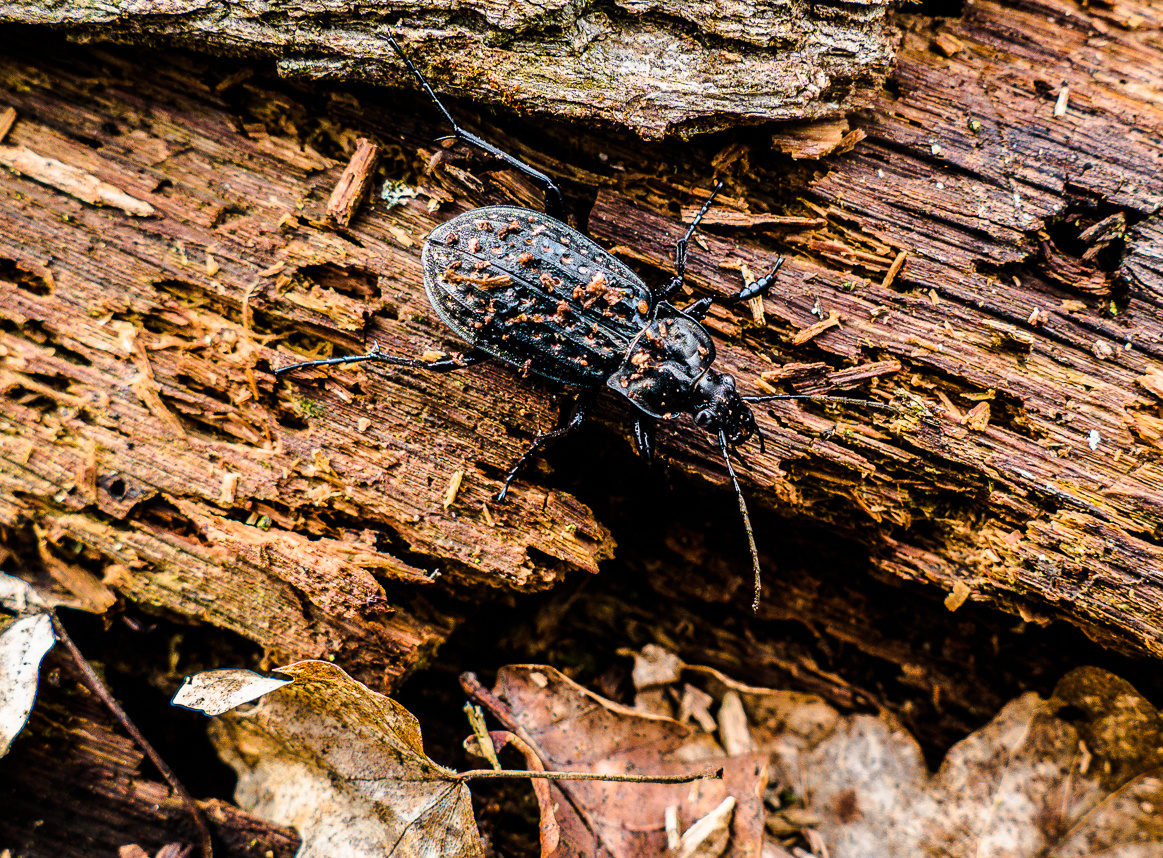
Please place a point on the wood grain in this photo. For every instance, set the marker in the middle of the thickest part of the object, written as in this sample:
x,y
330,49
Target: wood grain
x,y
308,515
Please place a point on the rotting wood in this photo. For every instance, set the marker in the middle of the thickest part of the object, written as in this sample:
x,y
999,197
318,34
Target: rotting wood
x,y
321,513
634,63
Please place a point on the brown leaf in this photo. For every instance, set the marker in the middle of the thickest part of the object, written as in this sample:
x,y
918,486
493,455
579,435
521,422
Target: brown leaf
x,y
573,729
1076,775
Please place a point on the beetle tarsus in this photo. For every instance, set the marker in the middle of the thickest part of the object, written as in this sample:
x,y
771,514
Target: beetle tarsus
x,y
759,286
698,310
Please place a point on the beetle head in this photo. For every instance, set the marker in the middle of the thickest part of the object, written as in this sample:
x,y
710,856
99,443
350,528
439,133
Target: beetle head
x,y
718,407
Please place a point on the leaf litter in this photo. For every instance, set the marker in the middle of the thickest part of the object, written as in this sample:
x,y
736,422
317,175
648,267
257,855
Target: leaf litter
x,y
27,639
1079,773
570,727
344,765
339,762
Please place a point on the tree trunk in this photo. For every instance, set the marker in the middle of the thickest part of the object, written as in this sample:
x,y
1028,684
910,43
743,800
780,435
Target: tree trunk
x,y
988,256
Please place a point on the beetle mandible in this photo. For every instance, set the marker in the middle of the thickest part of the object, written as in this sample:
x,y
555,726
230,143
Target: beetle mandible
x,y
523,287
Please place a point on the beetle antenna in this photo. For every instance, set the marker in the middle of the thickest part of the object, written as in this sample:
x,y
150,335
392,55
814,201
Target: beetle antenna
x,y
746,517
553,204
883,406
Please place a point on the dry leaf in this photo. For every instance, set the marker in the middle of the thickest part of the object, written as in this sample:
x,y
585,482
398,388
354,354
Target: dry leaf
x,y
24,642
1079,774
345,766
215,692
19,596
573,729
1074,775
708,837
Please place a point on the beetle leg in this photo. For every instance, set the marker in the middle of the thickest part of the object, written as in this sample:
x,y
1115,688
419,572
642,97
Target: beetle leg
x,y
697,310
447,364
759,286
671,289
553,204
576,416
644,429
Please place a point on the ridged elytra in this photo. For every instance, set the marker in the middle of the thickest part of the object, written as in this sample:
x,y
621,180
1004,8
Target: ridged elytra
x,y
525,288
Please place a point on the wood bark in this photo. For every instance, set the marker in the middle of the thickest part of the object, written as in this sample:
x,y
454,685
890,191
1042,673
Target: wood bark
x,y
1008,178
684,66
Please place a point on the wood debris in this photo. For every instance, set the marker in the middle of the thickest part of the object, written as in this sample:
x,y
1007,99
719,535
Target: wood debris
x,y
816,139
71,180
453,488
947,45
957,596
353,182
815,330
894,269
7,119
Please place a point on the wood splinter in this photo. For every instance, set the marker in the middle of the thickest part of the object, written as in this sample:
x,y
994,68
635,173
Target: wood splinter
x,y
353,183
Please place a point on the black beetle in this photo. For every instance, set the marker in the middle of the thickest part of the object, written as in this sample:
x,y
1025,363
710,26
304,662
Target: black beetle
x,y
527,289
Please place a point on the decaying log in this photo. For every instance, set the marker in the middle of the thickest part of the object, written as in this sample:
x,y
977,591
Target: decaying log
x,y
984,249
686,66
1013,163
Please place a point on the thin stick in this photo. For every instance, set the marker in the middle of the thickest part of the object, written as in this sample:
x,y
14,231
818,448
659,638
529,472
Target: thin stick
x,y
94,683
478,774
746,518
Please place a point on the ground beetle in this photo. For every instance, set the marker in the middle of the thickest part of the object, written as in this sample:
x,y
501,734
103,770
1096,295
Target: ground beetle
x,y
523,287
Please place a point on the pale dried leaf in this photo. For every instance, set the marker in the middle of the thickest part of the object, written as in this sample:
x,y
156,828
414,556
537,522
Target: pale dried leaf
x,y
771,849
1077,775
696,705
654,665
217,691
734,734
1016,788
776,717
24,642
19,596
346,767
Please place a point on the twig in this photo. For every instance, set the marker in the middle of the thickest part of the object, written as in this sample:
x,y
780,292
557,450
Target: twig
x,y
473,688
480,774
94,683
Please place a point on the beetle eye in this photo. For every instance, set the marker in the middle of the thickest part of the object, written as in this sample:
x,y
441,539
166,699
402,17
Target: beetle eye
x,y
705,418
